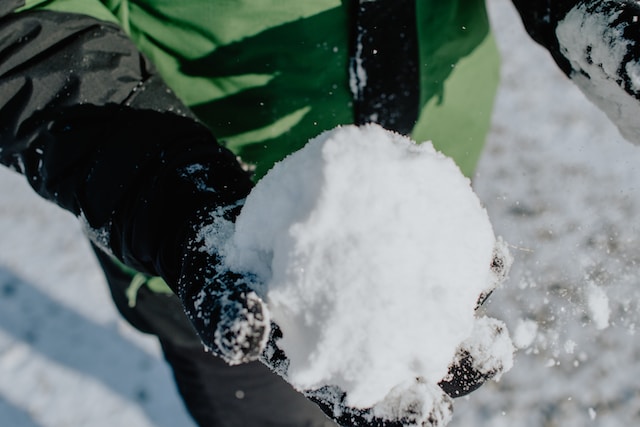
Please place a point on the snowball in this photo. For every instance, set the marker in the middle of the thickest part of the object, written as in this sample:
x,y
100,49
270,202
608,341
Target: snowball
x,y
373,251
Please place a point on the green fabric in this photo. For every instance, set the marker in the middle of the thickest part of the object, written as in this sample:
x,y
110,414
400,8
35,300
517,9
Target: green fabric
x,y
87,7
138,280
267,75
459,78
457,123
155,284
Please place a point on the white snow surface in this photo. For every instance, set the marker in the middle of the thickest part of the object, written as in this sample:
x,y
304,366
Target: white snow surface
x,y
374,251
560,185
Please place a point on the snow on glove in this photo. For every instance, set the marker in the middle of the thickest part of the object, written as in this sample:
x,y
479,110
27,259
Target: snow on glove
x,y
231,319
482,357
597,44
414,404
601,41
486,354
374,285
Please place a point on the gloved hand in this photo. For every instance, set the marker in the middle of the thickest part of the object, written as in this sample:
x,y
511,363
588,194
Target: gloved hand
x,y
178,226
231,319
420,403
484,355
111,143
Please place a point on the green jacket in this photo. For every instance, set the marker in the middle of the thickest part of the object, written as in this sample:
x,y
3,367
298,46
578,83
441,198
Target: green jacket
x,y
265,76
104,131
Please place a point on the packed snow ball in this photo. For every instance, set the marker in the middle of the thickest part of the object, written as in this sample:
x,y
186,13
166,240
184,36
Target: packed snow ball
x,y
372,252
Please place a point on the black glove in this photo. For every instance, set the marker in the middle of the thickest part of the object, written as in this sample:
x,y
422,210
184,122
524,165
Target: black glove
x,y
175,225
232,320
478,359
420,404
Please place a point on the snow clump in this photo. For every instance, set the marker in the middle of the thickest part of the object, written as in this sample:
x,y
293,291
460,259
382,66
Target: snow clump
x,y
372,252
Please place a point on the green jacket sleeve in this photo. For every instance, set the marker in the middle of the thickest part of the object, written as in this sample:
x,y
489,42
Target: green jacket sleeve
x,y
88,122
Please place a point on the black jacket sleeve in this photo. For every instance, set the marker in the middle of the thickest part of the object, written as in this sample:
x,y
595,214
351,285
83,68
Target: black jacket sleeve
x,y
86,119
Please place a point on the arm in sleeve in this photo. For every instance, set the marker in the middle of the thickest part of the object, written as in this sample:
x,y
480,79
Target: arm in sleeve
x,y
8,6
86,119
597,45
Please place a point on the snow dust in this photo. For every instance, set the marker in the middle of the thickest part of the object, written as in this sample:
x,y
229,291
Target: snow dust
x,y
598,306
373,251
525,333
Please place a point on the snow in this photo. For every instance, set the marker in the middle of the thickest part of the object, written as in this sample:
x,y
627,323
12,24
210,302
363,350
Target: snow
x,y
371,271
560,185
525,333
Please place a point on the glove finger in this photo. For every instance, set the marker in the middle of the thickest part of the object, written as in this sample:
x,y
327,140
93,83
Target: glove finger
x,y
232,319
272,356
241,333
485,355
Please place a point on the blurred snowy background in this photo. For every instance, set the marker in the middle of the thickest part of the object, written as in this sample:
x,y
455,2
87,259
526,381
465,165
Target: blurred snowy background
x,y
561,187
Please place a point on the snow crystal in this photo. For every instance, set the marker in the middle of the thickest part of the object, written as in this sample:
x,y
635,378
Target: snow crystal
x,y
598,306
524,333
570,346
373,251
357,73
198,175
100,237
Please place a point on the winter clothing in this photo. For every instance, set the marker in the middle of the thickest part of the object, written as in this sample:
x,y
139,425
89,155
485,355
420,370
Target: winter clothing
x,y
244,67
214,393
109,108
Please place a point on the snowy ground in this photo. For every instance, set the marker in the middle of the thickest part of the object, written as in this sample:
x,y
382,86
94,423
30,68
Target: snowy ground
x,y
560,186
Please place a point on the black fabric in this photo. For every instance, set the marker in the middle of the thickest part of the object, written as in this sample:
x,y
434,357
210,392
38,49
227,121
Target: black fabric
x,y
160,314
384,63
82,113
84,117
463,378
248,395
209,387
540,18
8,6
